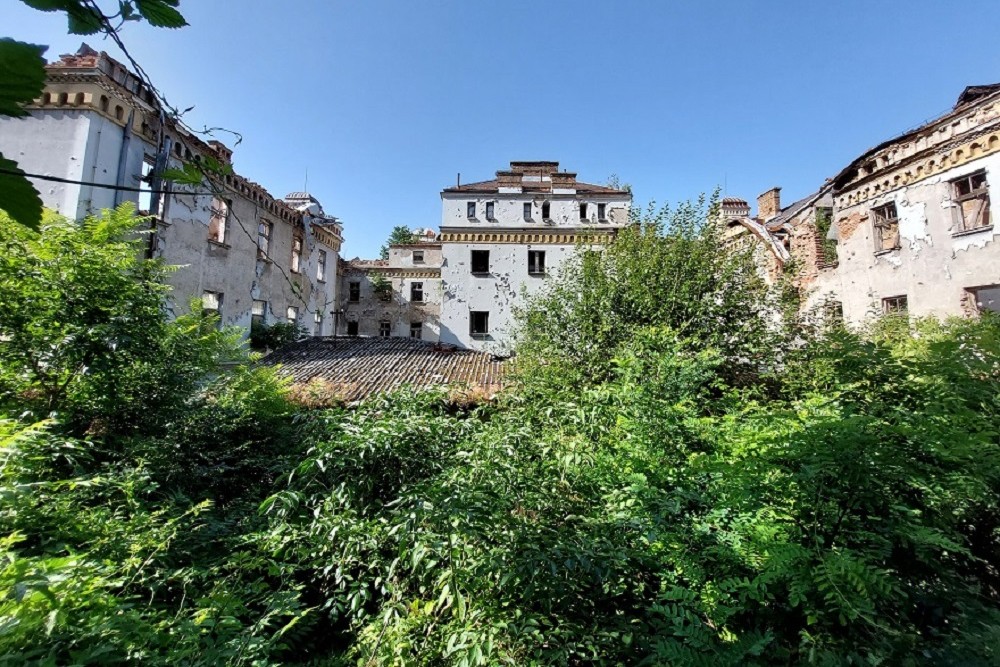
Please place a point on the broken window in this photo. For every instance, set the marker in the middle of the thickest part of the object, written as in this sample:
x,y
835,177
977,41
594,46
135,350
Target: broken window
x,y
479,322
352,328
416,292
264,231
219,221
418,256
536,262
602,210
292,314
384,328
886,225
894,304
258,312
470,209
985,298
833,311
318,323
353,292
296,254
416,330
546,210
480,261
321,267
211,303
973,198
583,211
489,210
146,187
527,211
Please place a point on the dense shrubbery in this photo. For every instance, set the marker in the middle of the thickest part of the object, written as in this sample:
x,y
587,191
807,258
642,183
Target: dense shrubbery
x,y
673,479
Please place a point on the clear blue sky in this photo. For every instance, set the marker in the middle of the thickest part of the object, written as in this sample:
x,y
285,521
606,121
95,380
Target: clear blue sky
x,y
385,101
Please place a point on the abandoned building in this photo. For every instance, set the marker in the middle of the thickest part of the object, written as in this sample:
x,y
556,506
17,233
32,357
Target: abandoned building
x,y
395,297
242,252
501,238
907,226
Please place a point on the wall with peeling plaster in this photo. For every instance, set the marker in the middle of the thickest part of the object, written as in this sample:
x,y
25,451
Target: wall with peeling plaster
x,y
935,265
369,310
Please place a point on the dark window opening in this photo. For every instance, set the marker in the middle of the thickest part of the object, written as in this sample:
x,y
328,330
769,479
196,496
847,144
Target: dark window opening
x,y
384,328
536,262
583,211
258,312
479,322
546,210
470,209
353,292
418,256
602,210
352,328
416,330
480,261
416,292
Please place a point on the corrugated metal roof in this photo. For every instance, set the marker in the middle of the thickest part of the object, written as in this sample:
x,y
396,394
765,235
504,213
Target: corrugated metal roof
x,y
358,367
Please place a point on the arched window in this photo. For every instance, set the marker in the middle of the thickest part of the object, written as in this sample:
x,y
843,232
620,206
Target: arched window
x,y
63,98
119,112
78,100
104,103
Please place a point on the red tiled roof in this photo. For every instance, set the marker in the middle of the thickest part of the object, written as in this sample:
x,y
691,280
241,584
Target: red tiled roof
x,y
358,367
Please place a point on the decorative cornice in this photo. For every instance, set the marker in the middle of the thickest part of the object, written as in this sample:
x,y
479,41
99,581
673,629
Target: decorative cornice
x,y
523,238
974,148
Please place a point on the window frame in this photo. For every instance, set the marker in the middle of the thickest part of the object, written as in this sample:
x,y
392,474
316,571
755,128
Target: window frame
x,y
602,212
895,304
354,291
258,317
470,210
295,265
216,213
292,315
321,266
220,299
418,256
528,212
384,329
265,231
980,193
491,209
417,292
583,211
883,224
418,329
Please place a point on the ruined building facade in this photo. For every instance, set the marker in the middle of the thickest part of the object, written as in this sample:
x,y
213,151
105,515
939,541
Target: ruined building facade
x,y
240,251
905,227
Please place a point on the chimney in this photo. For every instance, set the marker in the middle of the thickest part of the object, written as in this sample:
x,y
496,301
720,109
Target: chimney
x,y
563,179
769,204
508,179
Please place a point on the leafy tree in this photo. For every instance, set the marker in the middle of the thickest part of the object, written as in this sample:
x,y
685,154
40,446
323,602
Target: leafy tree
x,y
23,66
399,234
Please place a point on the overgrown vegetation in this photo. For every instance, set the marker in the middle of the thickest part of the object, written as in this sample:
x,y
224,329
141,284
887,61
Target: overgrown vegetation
x,y
679,475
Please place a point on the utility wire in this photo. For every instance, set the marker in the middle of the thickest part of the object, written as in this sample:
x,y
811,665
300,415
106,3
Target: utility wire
x,y
106,186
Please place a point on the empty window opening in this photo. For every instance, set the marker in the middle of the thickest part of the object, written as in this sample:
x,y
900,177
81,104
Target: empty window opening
x,y
416,292
219,221
546,210
353,292
470,209
318,323
479,322
973,198
384,328
527,211
296,254
489,210
78,100
258,312
321,266
583,211
292,314
886,224
480,261
63,98
894,304
602,211
211,303
146,187
264,231
352,328
416,330
536,262
119,113
985,298
418,256
47,99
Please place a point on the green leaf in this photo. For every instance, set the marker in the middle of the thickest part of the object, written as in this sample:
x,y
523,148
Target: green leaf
x,y
84,21
22,69
161,13
17,196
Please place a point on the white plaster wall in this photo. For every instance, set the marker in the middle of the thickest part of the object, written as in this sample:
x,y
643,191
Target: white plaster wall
x,y
506,286
934,265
